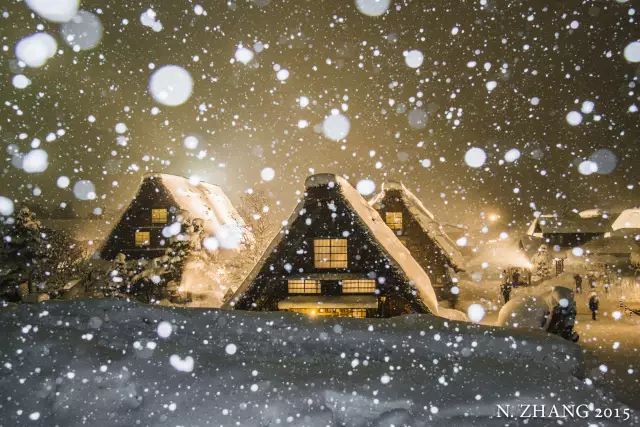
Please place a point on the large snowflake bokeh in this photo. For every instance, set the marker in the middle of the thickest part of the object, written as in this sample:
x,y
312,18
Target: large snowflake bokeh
x,y
509,105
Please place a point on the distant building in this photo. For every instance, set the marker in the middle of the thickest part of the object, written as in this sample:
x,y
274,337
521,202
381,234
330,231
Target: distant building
x,y
563,233
336,257
160,199
418,229
568,231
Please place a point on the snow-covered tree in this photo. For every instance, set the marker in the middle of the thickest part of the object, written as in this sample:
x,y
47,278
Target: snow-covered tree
x,y
542,263
42,258
158,278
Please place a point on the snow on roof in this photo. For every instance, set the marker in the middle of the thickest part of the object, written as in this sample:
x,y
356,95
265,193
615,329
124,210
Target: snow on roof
x,y
426,220
388,241
204,201
591,213
629,218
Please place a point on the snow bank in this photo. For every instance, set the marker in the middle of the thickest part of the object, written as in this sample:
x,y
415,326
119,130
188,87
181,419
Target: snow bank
x,y
525,311
533,309
115,363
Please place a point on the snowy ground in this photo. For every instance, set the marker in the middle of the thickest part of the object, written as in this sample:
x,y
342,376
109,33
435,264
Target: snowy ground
x,y
614,343
104,362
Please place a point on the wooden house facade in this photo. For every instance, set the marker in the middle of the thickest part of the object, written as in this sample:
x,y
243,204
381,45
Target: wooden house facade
x,y
336,257
420,232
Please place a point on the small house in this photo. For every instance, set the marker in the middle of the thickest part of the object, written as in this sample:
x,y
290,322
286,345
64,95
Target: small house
x,y
418,229
336,257
627,223
168,206
568,231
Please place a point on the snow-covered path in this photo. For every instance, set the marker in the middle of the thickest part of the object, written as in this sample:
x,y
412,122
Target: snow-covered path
x,y
105,362
616,346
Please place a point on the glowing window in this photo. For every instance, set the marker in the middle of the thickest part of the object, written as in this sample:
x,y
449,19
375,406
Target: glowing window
x,y
143,238
364,286
394,220
158,216
330,253
301,286
359,313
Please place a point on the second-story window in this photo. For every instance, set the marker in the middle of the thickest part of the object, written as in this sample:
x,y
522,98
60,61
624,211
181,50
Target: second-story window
x,y
394,220
303,286
330,253
158,216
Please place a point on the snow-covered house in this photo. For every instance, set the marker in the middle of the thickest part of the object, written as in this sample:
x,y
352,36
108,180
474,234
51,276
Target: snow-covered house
x,y
418,229
167,207
568,231
336,257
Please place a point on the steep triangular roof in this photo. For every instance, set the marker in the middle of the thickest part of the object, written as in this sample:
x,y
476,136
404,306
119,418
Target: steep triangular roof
x,y
383,236
425,219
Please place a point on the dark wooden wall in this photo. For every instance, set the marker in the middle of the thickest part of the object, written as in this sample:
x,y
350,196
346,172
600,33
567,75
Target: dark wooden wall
x,y
425,251
151,195
570,240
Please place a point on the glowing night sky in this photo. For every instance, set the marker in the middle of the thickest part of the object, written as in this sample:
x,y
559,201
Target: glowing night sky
x,y
421,85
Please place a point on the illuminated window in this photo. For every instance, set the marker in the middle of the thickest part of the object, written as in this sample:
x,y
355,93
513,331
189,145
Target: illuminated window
x,y
302,286
360,313
364,286
158,216
394,220
330,253
143,238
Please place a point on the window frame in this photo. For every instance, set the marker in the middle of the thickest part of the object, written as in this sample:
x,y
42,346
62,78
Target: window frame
x,y
140,243
159,219
304,287
358,286
394,220
330,252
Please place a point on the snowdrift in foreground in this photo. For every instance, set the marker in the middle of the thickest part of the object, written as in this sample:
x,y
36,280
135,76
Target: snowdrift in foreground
x,y
116,363
552,309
